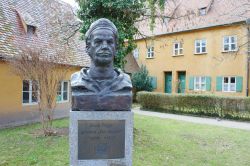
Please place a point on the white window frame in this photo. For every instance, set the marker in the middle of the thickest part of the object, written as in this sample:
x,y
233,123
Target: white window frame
x,y
150,52
200,41
198,81
62,91
228,84
178,49
136,53
30,94
202,11
230,43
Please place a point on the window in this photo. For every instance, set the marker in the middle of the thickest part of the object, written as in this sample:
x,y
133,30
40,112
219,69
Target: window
x,y
200,46
166,20
150,53
178,49
63,91
136,53
229,84
31,29
229,43
30,92
200,83
202,11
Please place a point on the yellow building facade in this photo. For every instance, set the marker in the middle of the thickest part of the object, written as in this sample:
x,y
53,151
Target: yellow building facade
x,y
211,60
15,109
22,29
12,88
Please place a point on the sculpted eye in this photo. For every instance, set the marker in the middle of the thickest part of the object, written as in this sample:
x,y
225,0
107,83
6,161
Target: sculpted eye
x,y
110,41
98,41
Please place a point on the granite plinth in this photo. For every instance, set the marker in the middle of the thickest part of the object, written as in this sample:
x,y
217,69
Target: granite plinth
x,y
95,102
101,138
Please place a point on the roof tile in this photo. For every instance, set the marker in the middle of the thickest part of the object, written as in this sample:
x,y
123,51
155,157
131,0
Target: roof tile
x,y
186,15
51,19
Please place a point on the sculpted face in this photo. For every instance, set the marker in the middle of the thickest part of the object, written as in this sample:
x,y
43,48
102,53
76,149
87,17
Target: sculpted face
x,y
102,47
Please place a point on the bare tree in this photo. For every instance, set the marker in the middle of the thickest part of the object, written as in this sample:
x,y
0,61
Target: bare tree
x,y
46,72
45,59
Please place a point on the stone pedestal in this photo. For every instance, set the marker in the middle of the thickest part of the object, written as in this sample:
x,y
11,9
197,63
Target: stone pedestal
x,y
101,138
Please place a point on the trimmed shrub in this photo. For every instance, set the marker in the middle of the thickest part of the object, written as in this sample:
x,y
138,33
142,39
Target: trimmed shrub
x,y
211,105
141,81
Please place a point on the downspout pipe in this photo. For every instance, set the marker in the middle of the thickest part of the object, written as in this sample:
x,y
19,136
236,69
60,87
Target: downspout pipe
x,y
248,54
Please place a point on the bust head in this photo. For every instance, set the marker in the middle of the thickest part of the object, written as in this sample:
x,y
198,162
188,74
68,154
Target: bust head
x,y
101,87
101,42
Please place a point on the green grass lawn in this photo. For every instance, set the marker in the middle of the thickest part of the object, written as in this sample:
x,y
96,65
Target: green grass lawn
x,y
158,142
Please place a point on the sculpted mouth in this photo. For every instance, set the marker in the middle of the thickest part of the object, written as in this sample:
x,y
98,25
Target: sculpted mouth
x,y
104,54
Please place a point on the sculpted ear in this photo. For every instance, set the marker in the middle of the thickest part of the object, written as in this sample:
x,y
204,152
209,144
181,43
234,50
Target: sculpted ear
x,y
87,46
116,52
116,47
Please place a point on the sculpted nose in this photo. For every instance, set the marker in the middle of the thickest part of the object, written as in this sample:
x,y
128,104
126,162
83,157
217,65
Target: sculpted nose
x,y
104,44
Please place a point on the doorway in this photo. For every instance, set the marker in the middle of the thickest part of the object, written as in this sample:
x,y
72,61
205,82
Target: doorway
x,y
181,82
168,82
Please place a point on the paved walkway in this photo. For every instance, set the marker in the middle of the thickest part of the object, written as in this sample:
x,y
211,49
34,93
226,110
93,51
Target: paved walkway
x,y
209,121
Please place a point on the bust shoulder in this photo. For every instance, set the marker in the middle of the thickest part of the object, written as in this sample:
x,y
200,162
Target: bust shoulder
x,y
122,82
75,78
126,77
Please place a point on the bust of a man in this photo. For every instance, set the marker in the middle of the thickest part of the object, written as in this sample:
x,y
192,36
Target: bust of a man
x,y
101,87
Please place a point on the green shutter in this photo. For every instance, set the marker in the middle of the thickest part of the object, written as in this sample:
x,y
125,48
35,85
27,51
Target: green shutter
x,y
154,82
58,98
191,83
218,83
208,83
239,81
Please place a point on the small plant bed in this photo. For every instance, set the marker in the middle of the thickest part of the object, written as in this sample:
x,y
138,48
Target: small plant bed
x,y
157,142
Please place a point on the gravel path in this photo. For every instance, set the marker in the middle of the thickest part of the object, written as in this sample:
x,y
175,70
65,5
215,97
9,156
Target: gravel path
x,y
208,121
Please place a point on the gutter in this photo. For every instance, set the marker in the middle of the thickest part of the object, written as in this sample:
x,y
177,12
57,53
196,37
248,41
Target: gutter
x,y
248,55
189,30
7,58
2,57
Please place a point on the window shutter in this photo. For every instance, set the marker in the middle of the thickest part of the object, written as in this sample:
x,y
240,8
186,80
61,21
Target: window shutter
x,y
154,82
239,80
218,83
208,83
58,98
191,83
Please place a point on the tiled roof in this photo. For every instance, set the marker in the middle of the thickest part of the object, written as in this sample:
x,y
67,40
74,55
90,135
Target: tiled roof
x,y
131,66
186,14
53,20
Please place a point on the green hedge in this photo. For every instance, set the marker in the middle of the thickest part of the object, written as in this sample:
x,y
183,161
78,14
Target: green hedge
x,y
220,106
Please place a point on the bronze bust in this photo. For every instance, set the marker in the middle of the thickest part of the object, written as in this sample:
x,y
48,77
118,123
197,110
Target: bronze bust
x,y
101,87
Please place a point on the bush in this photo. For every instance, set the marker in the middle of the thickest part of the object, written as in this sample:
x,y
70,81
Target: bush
x,y
141,81
211,105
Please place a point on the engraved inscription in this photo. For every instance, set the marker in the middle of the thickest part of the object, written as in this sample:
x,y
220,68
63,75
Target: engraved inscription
x,y
101,139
